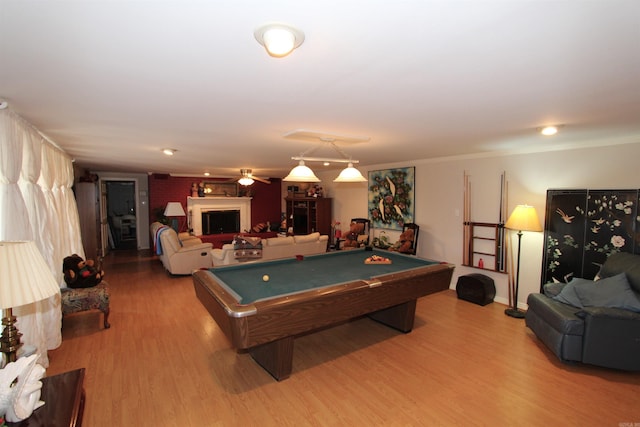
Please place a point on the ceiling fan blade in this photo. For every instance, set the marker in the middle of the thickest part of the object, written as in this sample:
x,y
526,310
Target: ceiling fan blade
x,y
265,181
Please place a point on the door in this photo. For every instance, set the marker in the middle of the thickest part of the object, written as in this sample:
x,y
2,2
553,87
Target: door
x,y
121,214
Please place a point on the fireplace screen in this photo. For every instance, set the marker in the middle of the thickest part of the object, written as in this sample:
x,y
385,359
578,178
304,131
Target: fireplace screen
x,y
217,222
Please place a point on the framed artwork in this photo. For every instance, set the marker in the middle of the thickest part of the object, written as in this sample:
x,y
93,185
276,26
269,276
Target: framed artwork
x,y
391,197
218,188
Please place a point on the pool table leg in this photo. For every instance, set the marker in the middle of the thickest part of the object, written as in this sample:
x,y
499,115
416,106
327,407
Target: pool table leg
x,y
275,357
399,317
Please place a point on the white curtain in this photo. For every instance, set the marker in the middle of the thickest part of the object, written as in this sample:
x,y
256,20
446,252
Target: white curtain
x,y
36,203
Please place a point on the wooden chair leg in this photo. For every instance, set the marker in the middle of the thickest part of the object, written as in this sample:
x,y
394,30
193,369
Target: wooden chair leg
x,y
107,325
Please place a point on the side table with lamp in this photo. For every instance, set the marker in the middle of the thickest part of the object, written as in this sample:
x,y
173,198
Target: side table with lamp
x,y
25,278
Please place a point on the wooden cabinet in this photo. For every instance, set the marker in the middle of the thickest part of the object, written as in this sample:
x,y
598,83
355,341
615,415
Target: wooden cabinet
x,y
89,214
309,214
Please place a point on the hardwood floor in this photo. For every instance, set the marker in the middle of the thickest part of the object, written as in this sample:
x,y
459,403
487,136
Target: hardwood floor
x,y
165,362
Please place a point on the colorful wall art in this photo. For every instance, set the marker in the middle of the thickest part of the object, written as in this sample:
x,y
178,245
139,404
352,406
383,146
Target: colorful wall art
x,y
391,197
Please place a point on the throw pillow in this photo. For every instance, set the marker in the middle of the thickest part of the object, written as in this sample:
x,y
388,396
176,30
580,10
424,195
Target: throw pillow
x,y
553,289
568,294
613,291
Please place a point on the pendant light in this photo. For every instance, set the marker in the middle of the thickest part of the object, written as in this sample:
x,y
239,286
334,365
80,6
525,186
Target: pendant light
x,y
301,173
350,174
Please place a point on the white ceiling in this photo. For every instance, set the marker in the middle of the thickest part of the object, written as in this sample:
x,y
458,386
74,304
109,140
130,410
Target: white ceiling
x,y
113,82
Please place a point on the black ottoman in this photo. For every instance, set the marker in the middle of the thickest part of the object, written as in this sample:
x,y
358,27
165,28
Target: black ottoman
x,y
476,288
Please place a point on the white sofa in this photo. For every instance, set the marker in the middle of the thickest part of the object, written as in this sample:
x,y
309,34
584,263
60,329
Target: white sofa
x,y
276,248
180,255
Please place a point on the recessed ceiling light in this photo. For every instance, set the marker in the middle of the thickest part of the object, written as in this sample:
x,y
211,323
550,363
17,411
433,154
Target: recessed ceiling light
x,y
549,130
207,174
169,151
279,39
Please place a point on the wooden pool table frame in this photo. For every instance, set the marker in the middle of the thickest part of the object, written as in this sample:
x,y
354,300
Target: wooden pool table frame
x,y
268,327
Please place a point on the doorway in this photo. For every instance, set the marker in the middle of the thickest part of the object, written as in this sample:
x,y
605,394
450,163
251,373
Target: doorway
x,y
121,214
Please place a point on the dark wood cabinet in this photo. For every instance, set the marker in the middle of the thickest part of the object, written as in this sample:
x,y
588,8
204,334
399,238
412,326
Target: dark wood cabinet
x,y
309,214
87,199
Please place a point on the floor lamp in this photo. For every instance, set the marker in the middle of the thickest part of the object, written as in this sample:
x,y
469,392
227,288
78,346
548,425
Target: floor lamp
x,y
174,210
523,218
25,278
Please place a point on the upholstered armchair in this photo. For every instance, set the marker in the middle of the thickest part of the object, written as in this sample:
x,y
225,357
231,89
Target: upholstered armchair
x,y
182,257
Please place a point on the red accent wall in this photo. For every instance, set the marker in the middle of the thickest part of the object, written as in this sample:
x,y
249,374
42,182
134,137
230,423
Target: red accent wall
x,y
266,199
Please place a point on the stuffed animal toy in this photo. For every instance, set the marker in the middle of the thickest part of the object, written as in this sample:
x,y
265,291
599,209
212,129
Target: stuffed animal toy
x,y
405,243
79,273
351,239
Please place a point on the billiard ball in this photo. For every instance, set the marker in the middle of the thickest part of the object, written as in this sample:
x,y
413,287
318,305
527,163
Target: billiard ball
x,y
265,278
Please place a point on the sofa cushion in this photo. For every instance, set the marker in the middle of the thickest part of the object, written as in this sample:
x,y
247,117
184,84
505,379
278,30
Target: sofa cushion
x,y
313,237
279,241
623,262
613,291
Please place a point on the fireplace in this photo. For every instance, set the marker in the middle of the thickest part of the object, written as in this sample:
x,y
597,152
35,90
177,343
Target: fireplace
x,y
218,222
196,206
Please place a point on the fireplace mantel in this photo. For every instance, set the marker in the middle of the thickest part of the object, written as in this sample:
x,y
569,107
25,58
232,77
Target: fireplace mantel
x,y
197,205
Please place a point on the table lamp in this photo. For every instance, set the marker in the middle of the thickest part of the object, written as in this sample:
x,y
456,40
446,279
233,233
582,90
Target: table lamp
x,y
523,218
175,210
25,278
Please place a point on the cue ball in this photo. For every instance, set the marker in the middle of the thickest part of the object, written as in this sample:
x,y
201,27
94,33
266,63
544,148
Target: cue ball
x,y
265,278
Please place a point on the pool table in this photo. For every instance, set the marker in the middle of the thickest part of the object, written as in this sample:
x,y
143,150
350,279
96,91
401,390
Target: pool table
x,y
263,315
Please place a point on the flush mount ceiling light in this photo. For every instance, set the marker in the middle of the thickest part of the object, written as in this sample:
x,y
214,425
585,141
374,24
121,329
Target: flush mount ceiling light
x,y
302,173
169,151
549,130
279,39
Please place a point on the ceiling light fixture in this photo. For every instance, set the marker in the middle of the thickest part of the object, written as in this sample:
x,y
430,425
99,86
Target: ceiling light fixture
x,y
549,130
245,180
169,151
350,174
302,173
279,39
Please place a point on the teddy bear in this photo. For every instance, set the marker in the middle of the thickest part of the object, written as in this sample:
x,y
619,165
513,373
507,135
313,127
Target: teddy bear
x,y
405,242
79,273
351,239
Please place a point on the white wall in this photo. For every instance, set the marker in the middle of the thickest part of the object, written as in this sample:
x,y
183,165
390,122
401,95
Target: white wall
x,y
440,192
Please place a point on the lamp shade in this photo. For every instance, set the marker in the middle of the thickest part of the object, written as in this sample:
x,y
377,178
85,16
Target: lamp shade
x,y
25,277
350,174
301,173
524,218
174,209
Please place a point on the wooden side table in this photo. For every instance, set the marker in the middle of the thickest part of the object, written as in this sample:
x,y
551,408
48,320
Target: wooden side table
x,y
64,402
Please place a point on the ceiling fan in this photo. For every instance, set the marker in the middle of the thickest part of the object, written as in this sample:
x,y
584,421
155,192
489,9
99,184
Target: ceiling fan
x,y
247,178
